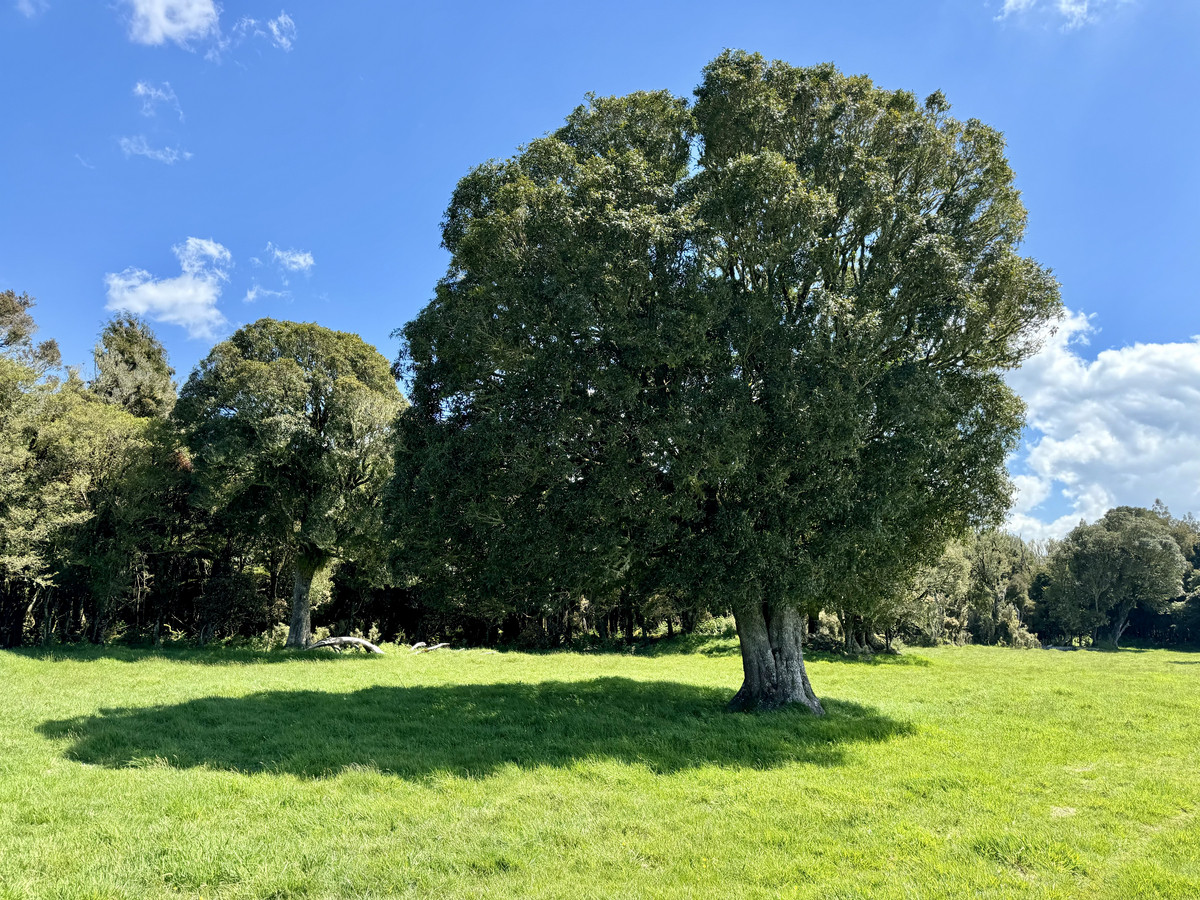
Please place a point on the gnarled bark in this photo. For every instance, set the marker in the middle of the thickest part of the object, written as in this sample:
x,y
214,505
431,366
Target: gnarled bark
x,y
773,660
300,628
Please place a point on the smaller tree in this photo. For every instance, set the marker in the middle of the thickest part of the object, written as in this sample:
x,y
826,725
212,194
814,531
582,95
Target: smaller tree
x,y
1001,571
937,606
290,428
17,329
1100,573
132,369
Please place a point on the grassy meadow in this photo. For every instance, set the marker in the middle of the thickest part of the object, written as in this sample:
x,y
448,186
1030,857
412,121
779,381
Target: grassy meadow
x,y
956,772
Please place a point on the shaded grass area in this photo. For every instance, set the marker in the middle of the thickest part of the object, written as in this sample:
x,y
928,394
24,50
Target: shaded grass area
x,y
466,730
942,773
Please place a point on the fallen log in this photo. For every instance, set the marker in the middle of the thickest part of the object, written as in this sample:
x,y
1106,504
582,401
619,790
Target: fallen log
x,y
422,647
337,643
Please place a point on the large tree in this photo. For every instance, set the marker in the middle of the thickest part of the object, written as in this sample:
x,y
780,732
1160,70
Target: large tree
x,y
290,430
748,349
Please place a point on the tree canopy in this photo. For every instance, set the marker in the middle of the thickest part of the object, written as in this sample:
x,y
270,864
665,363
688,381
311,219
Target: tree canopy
x,y
746,348
132,369
1101,572
289,427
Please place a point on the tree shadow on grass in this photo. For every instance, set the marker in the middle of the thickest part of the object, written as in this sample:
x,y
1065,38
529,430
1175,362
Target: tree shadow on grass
x,y
467,730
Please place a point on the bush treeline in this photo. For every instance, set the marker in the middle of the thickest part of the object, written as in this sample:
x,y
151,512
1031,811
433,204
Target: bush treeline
x,y
130,513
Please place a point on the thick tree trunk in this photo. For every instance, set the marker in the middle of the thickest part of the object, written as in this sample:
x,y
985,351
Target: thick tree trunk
x,y
1119,625
773,660
300,628
687,621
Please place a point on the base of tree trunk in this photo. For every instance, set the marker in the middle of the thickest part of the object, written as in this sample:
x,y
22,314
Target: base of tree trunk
x,y
300,627
773,662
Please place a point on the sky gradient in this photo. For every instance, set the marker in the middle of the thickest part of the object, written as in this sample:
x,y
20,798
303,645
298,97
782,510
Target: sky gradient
x,y
206,165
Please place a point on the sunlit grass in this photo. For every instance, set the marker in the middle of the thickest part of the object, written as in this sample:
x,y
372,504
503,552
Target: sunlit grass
x,y
944,773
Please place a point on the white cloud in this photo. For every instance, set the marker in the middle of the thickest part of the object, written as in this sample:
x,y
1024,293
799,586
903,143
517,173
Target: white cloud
x,y
152,95
31,8
158,21
137,146
1015,6
283,31
1071,14
257,291
1074,12
292,260
280,31
1121,429
188,300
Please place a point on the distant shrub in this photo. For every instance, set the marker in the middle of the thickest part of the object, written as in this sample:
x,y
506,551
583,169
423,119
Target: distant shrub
x,y
717,626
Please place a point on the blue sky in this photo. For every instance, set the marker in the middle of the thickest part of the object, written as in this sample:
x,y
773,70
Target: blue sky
x,y
209,164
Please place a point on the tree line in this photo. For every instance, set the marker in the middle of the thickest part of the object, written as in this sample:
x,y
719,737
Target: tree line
x,y
109,530
740,355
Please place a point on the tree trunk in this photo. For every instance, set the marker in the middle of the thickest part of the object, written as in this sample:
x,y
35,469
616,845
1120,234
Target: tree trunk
x,y
300,629
1119,624
773,660
687,620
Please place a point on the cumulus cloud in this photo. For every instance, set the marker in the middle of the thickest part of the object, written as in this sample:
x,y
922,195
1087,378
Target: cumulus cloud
x,y
1120,429
1071,14
181,21
152,95
137,146
188,300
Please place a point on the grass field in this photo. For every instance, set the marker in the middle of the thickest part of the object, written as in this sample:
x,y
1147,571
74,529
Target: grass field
x,y
970,772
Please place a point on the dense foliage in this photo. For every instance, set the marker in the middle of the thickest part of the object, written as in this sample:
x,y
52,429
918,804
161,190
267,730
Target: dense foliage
x,y
289,427
742,352
112,528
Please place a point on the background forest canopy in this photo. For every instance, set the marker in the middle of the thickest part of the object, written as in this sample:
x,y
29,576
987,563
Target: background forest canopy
x,y
622,397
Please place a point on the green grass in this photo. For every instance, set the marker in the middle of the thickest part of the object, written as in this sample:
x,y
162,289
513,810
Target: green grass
x,y
969,772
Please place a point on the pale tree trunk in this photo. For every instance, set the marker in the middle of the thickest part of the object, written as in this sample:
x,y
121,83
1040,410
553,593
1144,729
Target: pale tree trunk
x,y
773,660
300,629
1120,624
